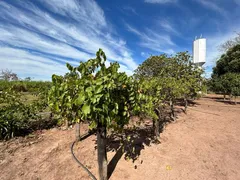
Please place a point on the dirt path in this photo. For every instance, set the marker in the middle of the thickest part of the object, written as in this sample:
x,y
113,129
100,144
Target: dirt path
x,y
204,144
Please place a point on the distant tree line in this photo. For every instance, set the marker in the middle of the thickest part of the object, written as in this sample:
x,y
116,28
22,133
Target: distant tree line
x,y
8,75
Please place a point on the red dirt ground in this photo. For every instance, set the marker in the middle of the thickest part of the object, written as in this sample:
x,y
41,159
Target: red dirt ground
x,y
202,145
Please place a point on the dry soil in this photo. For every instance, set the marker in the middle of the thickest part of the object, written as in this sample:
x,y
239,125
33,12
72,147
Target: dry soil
x,y
203,144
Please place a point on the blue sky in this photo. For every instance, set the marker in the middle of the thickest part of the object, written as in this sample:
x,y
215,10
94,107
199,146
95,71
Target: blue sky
x,y
37,37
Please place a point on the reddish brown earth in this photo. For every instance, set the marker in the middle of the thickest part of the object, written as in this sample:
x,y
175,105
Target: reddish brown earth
x,y
204,144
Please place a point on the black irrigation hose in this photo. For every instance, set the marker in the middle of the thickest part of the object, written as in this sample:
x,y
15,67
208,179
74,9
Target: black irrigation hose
x,y
86,169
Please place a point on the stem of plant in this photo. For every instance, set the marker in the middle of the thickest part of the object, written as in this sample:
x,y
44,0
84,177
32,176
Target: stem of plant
x,y
102,151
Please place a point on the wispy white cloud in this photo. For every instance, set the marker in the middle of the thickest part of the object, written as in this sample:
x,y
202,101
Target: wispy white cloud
x,y
153,40
130,9
75,30
167,26
237,2
213,5
85,11
26,64
160,1
22,38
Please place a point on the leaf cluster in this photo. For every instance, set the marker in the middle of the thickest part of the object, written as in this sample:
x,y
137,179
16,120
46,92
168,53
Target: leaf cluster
x,y
172,76
95,92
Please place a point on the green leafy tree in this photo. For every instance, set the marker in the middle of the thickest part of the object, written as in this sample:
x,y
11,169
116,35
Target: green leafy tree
x,y
228,63
159,84
230,84
189,77
225,75
166,79
98,93
152,89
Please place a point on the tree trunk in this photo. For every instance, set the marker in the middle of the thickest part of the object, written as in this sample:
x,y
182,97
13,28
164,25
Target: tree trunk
x,y
172,110
186,105
66,123
156,129
102,151
77,131
156,123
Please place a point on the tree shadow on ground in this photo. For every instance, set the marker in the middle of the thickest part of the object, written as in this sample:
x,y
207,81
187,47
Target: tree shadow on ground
x,y
133,139
178,110
131,142
211,97
180,105
180,102
231,102
221,100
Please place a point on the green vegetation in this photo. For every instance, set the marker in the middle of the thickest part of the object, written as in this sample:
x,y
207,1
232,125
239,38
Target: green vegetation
x,y
226,75
25,86
21,106
166,79
106,97
98,93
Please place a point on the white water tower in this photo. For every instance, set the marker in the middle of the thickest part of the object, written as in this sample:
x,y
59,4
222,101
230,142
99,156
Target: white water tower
x,y
199,51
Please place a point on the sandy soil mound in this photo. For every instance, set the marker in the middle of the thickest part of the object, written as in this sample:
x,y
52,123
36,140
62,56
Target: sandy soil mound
x,y
202,144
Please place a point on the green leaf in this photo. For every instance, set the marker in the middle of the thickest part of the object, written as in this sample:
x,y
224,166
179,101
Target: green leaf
x,y
56,107
80,99
69,67
98,89
92,125
116,106
86,109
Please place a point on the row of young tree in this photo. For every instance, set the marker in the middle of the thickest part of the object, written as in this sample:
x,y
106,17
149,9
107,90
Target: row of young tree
x,y
23,106
107,98
226,75
20,116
